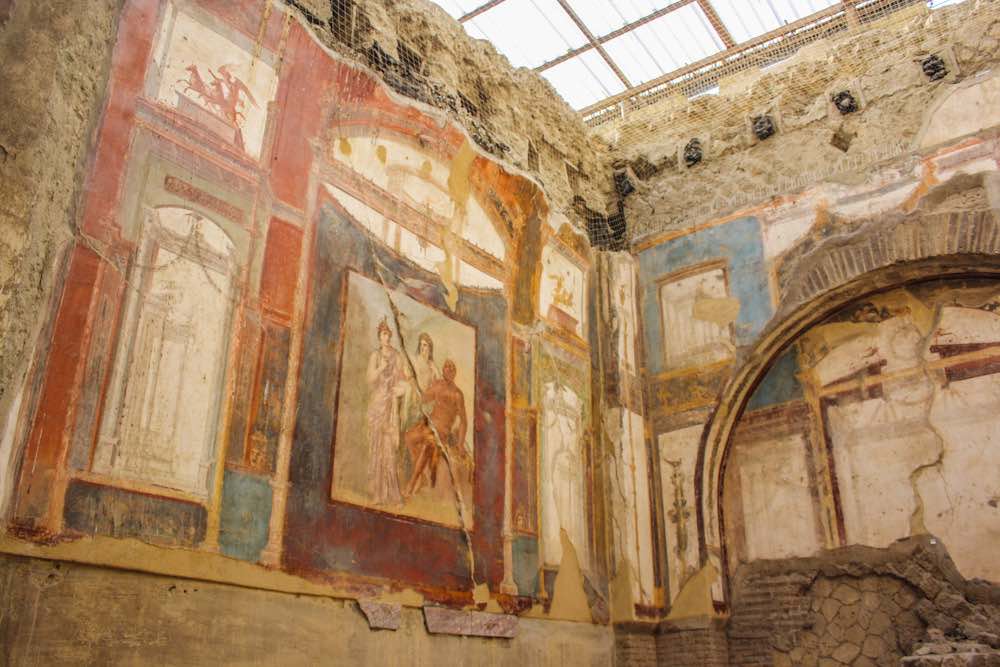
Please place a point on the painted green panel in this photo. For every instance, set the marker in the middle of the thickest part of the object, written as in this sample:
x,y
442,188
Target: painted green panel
x,y
526,565
246,513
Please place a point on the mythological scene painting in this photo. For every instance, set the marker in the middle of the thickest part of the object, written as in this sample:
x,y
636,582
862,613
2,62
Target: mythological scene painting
x,y
404,439
206,76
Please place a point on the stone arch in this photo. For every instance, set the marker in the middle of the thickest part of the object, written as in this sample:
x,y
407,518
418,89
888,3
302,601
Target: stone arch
x,y
817,278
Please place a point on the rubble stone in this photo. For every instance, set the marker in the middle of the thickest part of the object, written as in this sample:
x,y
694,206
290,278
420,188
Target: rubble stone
x,y
886,619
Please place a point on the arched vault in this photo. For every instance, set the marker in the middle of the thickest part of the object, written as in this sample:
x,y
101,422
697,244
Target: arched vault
x,y
816,279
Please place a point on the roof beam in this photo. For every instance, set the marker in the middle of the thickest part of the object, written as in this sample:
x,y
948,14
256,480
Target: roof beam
x,y
478,10
749,50
786,29
628,27
853,19
594,43
717,25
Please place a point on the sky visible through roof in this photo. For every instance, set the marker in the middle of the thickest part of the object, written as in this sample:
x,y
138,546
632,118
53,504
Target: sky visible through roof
x,y
545,35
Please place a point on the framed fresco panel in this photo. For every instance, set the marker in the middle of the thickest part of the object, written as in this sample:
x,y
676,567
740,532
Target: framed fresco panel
x,y
562,290
161,416
404,441
693,307
213,75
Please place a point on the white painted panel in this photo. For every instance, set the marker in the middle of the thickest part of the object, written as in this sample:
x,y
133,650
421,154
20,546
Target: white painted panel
x,y
678,452
779,515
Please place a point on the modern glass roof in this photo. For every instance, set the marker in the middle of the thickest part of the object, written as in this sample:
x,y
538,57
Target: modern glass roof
x,y
593,50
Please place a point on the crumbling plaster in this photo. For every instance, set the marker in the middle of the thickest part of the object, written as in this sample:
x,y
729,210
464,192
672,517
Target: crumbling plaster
x,y
909,248
40,186
512,107
60,613
56,57
912,460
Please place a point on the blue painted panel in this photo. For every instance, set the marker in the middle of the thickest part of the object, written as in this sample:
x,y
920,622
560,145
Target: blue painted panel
x,y
96,509
739,242
245,515
781,384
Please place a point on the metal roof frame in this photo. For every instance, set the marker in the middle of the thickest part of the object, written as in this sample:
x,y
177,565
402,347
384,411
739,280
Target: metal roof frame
x,y
761,49
478,10
627,28
593,42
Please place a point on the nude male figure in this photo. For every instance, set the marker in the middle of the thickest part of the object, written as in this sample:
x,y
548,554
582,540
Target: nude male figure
x,y
449,420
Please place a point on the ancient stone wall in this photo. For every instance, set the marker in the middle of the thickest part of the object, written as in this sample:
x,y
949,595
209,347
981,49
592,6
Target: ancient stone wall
x,y
814,142
423,53
699,642
695,642
405,343
635,644
302,308
859,606
56,58
59,613
716,289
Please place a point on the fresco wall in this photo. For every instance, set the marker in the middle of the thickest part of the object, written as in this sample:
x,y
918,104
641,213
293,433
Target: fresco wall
x,y
900,424
856,431
631,501
310,338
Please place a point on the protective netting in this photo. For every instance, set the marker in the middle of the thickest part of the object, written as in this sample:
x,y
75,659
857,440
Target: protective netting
x,y
835,22
658,112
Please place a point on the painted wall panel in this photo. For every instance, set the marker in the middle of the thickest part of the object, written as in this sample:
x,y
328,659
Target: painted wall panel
x,y
246,511
740,244
297,353
897,437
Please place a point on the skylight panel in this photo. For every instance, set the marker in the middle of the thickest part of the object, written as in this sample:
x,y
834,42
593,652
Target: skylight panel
x,y
793,10
459,8
669,39
604,16
695,26
584,79
746,19
528,32
668,43
788,11
635,60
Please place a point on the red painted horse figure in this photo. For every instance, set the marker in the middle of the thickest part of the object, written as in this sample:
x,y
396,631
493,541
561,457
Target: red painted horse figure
x,y
224,94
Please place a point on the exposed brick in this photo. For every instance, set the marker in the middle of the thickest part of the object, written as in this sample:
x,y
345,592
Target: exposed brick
x,y
857,606
696,646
